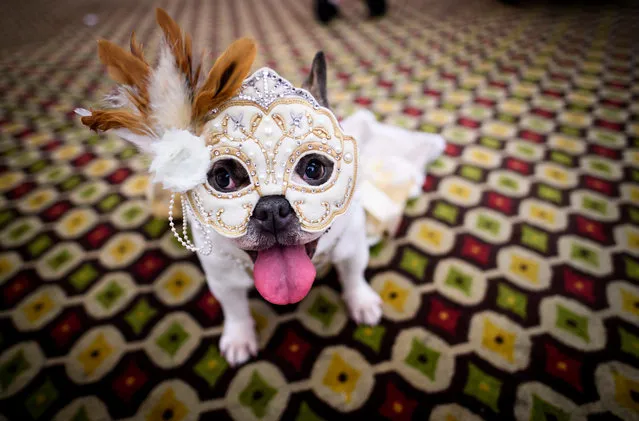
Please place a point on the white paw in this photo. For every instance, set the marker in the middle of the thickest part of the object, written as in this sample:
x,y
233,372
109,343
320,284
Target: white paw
x,y
238,343
364,304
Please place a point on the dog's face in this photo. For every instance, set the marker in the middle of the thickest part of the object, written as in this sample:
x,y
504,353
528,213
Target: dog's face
x,y
282,231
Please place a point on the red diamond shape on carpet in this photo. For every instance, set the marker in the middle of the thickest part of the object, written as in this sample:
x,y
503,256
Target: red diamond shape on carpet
x,y
397,406
294,350
562,366
443,316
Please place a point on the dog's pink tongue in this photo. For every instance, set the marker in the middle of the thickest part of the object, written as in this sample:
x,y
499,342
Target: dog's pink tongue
x,y
283,274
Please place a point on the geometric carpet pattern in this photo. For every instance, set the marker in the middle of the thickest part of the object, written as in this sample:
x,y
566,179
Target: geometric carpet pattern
x,y
510,292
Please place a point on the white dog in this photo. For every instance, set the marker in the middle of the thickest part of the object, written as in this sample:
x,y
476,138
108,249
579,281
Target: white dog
x,y
269,181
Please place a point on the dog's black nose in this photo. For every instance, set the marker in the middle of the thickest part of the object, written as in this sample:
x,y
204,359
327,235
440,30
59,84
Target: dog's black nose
x,y
273,213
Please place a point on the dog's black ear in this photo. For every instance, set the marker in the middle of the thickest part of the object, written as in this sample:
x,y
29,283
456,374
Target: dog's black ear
x,y
316,81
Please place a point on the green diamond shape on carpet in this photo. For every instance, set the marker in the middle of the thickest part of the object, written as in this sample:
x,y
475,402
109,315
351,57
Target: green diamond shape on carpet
x,y
634,215
211,366
544,411
423,358
41,399
595,205
110,294
459,280
488,224
428,128
306,414
446,212
83,276
572,322
323,310
570,131
600,166
20,231
629,342
109,202
561,158
156,227
39,245
13,368
632,267
257,395
549,193
534,238
59,259
584,254
370,336
512,300
635,175
483,387
525,150
508,182
128,153
81,415
132,213
414,263
140,315
71,183
37,166
471,173
172,339
88,191
506,118
6,216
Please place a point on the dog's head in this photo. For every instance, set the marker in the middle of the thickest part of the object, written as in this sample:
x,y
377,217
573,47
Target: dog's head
x,y
281,172
255,159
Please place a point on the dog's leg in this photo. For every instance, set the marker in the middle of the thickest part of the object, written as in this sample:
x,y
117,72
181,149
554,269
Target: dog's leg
x,y
350,257
239,340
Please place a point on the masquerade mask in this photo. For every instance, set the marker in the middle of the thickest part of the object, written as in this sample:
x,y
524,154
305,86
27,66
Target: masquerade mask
x,y
272,131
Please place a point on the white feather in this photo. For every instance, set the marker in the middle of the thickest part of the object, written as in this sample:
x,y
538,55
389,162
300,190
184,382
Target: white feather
x,y
168,93
142,142
82,112
120,99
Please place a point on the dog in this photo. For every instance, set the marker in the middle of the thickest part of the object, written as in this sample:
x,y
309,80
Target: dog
x,y
169,112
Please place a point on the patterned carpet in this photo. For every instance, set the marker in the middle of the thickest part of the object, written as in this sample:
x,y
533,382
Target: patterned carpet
x,y
511,292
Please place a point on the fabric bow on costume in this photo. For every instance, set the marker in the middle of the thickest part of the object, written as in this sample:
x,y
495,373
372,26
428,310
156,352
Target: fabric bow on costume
x,y
393,162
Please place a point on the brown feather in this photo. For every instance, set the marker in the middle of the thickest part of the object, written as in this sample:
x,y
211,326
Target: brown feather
x,y
226,76
179,43
127,69
136,48
103,120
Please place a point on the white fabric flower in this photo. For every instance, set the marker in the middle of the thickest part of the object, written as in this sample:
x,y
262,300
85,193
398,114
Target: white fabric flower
x,y
180,160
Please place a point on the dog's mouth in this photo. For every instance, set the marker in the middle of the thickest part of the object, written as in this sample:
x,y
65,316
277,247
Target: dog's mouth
x,y
284,274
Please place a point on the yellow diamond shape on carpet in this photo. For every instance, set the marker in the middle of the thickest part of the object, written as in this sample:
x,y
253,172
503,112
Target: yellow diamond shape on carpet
x,y
168,408
542,214
525,268
394,295
38,308
430,235
120,250
95,354
460,191
625,389
499,340
178,283
260,321
556,174
340,377
630,302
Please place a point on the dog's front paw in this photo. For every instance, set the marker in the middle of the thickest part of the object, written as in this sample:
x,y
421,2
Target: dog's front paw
x,y
238,343
364,304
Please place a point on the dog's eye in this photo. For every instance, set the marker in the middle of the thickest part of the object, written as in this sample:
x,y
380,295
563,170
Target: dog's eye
x,y
223,179
228,175
314,169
